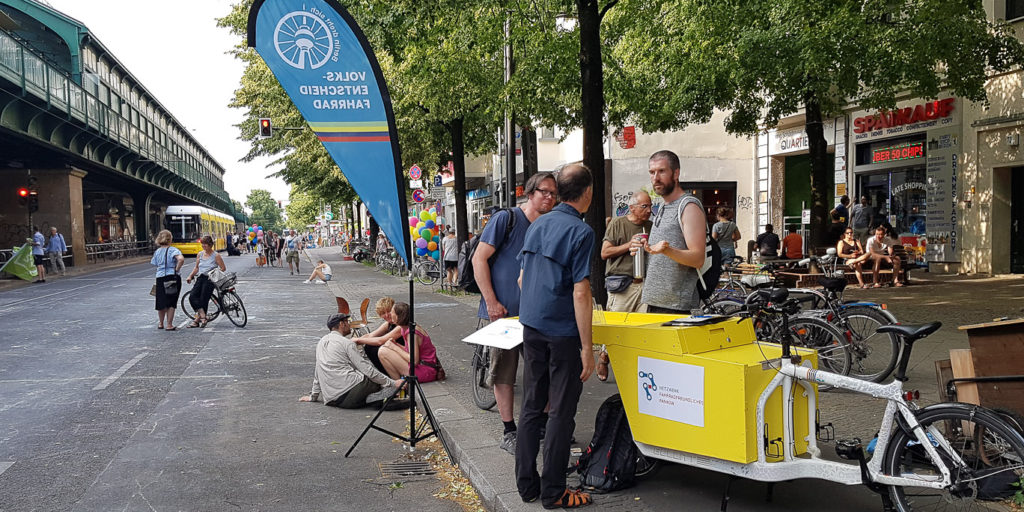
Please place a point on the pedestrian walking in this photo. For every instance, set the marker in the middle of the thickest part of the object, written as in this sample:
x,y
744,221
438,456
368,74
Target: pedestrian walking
x,y
206,260
55,249
556,313
726,233
168,261
450,250
293,244
677,241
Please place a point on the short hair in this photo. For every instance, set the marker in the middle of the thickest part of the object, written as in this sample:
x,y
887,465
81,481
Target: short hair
x,y
573,181
207,239
725,212
769,228
534,182
882,227
53,228
673,159
402,311
635,198
319,261
336,319
791,228
35,228
384,304
845,200
163,237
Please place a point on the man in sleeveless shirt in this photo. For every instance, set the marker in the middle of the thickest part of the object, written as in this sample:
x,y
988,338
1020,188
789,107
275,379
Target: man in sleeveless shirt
x,y
676,244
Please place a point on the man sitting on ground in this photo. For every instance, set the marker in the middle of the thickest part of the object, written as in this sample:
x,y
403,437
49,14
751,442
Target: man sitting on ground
x,y
344,377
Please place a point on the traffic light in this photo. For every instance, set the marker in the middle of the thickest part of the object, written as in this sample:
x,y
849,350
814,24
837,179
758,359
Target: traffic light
x,y
23,196
33,201
266,128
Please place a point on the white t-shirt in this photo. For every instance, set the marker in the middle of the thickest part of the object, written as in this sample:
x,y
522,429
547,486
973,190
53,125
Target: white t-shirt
x,y
326,270
878,247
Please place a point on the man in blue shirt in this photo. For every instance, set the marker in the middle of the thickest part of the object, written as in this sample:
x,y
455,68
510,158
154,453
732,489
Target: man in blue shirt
x,y
56,247
496,268
37,253
556,312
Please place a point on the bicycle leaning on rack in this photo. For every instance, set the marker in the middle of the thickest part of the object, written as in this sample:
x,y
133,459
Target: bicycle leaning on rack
x,y
223,300
946,456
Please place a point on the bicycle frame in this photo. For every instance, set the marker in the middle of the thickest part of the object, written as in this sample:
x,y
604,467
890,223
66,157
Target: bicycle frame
x,y
791,467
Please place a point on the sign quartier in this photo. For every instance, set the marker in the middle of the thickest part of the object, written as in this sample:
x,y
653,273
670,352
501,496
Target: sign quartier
x,y
904,120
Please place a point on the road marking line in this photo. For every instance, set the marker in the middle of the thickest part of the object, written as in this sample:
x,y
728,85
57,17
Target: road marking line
x,y
120,371
4,466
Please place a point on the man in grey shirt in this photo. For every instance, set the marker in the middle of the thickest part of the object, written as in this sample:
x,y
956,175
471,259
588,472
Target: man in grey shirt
x,y
344,377
676,244
860,219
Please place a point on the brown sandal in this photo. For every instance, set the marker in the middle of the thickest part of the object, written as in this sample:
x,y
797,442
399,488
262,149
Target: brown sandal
x,y
571,498
602,366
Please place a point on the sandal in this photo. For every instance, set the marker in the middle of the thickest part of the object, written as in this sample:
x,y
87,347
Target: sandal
x,y
171,328
602,366
161,326
203,323
571,498
195,323
899,285
876,285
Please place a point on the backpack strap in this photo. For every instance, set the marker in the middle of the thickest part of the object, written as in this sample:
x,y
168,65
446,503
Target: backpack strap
x,y
688,199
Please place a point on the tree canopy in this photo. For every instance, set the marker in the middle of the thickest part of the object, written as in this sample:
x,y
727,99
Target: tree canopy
x,y
264,210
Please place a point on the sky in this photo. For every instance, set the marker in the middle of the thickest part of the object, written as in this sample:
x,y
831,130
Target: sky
x,y
179,54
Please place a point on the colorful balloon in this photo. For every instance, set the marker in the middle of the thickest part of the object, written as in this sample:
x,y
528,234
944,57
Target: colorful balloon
x,y
424,215
413,221
413,232
436,255
425,233
429,224
421,243
421,252
436,238
432,246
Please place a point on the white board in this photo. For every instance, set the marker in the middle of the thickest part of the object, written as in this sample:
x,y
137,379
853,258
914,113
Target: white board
x,y
506,333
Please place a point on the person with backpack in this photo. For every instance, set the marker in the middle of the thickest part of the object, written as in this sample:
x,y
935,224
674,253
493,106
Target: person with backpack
x,y
678,242
496,270
726,233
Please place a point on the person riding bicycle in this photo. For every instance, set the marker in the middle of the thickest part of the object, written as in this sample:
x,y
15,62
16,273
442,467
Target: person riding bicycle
x,y
206,260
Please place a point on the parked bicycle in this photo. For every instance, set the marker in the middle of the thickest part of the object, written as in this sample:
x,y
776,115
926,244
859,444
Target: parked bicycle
x,y
929,458
224,300
427,270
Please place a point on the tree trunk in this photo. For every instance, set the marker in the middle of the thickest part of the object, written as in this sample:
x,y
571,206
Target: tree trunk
x,y
820,171
359,218
374,231
529,144
459,168
592,99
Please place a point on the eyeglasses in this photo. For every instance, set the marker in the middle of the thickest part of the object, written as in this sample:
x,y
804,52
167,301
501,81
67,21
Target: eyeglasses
x,y
546,192
643,206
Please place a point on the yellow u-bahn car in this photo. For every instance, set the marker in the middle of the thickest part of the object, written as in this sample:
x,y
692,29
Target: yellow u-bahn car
x,y
188,223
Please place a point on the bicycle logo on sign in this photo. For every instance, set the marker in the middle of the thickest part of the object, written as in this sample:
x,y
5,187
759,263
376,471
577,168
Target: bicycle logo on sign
x,y
648,386
303,40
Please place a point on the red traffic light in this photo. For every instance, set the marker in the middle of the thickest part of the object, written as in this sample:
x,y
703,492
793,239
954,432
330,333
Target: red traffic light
x,y
266,129
22,192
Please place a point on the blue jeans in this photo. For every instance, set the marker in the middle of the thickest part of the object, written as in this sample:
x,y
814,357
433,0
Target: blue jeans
x,y
728,254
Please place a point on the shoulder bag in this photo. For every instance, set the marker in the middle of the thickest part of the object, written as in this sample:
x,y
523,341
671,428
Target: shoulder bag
x,y
171,285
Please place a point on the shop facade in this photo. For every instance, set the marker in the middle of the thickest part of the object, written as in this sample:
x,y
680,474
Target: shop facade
x,y
906,162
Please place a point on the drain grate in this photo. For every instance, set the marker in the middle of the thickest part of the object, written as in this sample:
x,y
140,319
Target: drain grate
x,y
405,468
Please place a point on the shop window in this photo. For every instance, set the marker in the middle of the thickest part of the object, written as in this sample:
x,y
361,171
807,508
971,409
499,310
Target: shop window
x,y
1014,9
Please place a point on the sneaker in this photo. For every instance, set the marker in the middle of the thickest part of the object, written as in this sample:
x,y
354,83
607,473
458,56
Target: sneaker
x,y
383,394
306,281
320,281
508,442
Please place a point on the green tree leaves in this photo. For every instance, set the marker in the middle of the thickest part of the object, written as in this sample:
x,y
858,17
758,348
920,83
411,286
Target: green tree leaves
x,y
264,210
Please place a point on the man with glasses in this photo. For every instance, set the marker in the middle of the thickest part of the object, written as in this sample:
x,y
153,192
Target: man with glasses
x,y
677,242
496,270
344,377
624,288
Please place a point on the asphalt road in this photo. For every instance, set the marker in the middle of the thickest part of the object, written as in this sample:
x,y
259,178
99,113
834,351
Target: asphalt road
x,y
101,411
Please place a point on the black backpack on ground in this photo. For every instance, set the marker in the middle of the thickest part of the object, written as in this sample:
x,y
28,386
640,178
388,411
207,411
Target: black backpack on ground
x,y
609,461
467,281
711,271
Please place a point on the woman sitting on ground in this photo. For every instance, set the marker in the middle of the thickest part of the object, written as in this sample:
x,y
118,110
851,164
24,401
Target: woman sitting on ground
x,y
850,249
322,273
386,331
395,358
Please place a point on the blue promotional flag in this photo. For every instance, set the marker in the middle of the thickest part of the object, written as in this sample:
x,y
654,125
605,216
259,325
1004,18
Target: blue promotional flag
x,y
325,64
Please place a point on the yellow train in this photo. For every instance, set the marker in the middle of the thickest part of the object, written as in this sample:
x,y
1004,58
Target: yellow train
x,y
189,223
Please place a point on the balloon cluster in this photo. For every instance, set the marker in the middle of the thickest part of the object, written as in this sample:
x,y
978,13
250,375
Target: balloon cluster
x,y
426,233
255,234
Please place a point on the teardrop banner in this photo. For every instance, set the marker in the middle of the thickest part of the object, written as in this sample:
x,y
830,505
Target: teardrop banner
x,y
324,62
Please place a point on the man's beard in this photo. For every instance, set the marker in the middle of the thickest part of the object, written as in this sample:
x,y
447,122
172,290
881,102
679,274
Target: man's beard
x,y
669,188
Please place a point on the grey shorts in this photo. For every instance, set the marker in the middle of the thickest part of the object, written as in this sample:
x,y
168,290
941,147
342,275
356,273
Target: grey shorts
x,y
504,365
292,256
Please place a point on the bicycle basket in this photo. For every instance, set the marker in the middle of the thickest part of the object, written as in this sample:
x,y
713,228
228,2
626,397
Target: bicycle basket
x,y
226,282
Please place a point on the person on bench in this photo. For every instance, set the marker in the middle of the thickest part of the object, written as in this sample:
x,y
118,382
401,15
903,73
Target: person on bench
x,y
880,252
850,249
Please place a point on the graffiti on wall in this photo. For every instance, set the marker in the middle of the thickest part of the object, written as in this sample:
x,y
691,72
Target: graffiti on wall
x,y
744,202
14,235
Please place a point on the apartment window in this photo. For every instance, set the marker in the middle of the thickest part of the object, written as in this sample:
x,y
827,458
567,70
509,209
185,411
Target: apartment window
x,y
547,133
1014,9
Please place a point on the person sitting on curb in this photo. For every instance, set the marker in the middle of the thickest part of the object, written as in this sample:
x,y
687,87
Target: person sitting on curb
x,y
386,331
395,357
322,273
344,377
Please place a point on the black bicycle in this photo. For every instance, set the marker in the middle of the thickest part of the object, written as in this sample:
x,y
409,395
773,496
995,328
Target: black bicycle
x,y
224,299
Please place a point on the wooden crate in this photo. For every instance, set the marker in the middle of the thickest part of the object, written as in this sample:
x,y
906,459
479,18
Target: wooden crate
x,y
997,349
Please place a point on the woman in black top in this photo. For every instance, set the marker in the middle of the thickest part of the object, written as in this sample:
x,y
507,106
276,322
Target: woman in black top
x,y
387,330
849,248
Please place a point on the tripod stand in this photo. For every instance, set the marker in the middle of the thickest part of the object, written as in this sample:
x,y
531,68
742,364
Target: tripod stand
x,y
412,387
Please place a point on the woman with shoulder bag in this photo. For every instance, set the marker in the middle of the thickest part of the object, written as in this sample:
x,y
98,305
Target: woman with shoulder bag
x,y
726,233
207,260
168,261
